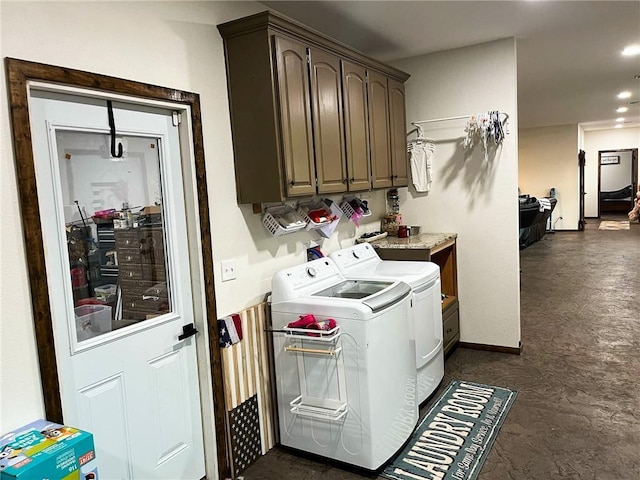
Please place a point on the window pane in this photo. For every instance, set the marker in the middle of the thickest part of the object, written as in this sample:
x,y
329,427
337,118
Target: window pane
x,y
115,231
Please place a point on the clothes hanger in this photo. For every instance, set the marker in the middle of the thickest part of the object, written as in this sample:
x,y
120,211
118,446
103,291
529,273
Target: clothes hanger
x,y
112,127
420,138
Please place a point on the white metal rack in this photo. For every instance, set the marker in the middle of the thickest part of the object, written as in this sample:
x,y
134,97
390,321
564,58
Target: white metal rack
x,y
318,351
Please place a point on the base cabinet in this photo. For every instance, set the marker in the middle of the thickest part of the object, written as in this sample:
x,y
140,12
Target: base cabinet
x,y
451,328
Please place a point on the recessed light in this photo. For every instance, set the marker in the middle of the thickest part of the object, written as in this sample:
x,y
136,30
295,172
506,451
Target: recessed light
x,y
625,94
620,119
621,109
618,126
631,50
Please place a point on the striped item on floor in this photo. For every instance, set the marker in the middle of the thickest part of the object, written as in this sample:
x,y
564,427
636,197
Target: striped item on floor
x,y
246,375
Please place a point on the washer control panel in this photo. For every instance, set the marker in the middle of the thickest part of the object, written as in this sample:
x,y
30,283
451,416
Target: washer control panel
x,y
354,256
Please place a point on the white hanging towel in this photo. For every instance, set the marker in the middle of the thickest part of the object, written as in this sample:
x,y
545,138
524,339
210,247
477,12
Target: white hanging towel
x,y
421,167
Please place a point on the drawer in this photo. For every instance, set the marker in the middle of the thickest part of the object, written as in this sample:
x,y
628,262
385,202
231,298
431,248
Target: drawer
x,y
158,290
128,285
153,291
128,255
451,328
131,272
149,306
154,272
110,272
153,255
127,238
151,239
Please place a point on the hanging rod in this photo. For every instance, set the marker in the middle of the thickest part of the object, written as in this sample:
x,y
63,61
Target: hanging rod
x,y
506,117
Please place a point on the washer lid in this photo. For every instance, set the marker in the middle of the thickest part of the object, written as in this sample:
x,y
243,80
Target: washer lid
x,y
390,268
376,295
362,261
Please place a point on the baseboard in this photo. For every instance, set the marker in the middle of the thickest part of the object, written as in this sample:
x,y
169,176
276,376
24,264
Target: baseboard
x,y
491,348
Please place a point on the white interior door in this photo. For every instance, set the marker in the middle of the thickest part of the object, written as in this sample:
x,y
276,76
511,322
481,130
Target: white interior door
x,y
119,283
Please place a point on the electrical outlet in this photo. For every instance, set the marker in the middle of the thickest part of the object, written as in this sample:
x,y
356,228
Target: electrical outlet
x,y
228,270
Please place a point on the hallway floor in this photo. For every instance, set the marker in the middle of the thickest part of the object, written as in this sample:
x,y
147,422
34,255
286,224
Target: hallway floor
x,y
577,415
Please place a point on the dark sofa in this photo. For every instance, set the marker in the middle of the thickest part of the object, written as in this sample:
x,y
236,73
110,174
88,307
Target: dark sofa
x,y
533,218
617,200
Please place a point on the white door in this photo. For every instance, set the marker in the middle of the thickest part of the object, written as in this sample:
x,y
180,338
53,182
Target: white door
x,y
119,283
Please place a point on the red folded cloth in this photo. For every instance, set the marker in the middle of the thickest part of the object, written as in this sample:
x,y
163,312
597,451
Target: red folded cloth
x,y
302,322
309,321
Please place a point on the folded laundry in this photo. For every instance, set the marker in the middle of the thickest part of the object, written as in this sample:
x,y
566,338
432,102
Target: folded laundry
x,y
545,204
302,322
310,322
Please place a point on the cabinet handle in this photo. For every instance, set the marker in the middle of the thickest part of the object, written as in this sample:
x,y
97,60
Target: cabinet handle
x,y
449,330
292,183
352,180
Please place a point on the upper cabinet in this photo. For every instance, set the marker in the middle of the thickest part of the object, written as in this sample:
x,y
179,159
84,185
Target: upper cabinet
x,y
398,134
356,125
309,114
328,125
379,131
295,118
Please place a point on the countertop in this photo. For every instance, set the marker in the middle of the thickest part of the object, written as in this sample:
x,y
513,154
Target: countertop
x,y
426,241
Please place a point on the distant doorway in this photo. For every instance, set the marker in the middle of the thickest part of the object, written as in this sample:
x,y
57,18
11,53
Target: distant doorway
x,y
617,180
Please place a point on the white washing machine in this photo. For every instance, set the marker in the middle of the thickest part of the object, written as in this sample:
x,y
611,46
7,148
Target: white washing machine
x,y
362,262
349,393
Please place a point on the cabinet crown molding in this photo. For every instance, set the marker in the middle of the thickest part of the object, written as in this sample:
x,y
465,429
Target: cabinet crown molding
x,y
278,23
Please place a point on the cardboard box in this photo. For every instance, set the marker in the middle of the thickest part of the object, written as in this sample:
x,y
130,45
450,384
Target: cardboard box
x,y
45,450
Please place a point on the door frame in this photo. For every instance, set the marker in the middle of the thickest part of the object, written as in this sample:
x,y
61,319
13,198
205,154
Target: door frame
x,y
634,171
19,74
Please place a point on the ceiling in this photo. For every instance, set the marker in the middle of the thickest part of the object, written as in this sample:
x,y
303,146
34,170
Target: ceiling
x,y
570,67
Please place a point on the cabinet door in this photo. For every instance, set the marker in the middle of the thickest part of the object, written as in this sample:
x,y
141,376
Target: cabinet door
x,y
295,116
326,102
379,130
398,129
354,88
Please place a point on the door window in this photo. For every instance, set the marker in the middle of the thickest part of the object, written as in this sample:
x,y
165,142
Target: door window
x,y
114,231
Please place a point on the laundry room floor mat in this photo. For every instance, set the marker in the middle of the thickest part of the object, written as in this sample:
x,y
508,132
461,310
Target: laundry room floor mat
x,y
453,439
613,225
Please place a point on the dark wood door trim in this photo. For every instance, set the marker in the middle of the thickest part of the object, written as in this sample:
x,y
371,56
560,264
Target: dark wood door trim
x,y
634,170
19,72
581,164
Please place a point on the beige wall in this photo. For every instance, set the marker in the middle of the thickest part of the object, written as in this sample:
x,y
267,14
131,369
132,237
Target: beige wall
x,y
471,196
163,43
176,44
602,140
172,44
548,157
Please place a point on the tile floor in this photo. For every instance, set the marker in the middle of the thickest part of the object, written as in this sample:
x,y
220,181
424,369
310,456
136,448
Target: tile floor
x,y
577,415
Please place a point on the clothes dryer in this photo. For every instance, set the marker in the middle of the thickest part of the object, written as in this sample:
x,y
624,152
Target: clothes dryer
x,y
350,393
362,262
